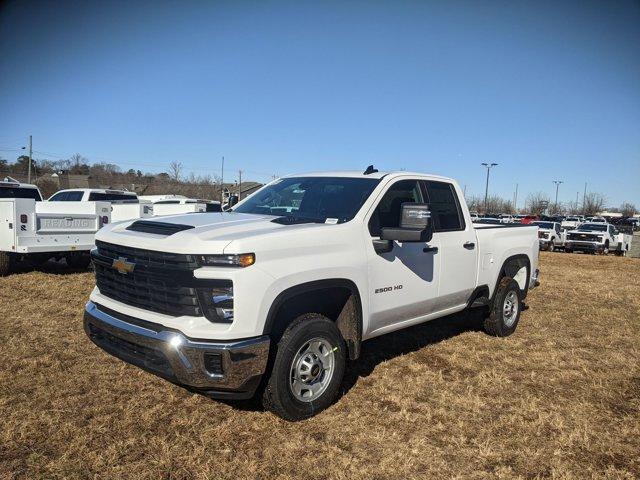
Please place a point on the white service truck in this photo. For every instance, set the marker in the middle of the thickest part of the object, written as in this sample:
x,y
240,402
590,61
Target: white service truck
x,y
273,297
598,237
125,205
550,235
34,231
179,204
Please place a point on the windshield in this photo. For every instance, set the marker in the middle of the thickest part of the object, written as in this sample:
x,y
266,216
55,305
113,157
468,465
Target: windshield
x,y
313,199
590,227
547,225
20,193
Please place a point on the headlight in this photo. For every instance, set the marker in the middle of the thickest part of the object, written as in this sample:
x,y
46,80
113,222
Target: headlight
x,y
234,260
217,303
600,239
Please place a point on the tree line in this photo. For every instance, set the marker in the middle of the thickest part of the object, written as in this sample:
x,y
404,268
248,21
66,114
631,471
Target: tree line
x,y
110,175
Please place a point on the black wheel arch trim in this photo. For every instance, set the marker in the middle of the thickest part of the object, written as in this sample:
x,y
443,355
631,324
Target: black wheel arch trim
x,y
311,286
520,260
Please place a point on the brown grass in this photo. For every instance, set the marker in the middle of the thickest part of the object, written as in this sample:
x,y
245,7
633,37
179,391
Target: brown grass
x,y
560,398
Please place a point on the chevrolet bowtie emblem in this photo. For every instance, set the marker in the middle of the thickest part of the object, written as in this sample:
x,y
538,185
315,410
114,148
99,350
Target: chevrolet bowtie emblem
x,y
123,266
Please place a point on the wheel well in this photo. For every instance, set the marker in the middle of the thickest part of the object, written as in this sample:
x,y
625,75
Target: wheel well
x,y
511,267
337,300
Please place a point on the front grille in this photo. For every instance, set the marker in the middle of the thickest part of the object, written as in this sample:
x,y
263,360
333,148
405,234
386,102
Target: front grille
x,y
155,281
151,292
585,237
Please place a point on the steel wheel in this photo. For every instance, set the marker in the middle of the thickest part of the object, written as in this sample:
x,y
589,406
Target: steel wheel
x,y
312,370
510,308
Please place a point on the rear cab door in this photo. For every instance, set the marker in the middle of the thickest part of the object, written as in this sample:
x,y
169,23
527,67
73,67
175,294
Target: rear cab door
x,y
457,243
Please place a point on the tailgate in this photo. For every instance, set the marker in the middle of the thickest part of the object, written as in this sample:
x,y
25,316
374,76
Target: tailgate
x,y
70,217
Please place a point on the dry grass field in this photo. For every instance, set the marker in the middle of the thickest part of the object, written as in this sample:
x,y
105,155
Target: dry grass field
x,y
560,398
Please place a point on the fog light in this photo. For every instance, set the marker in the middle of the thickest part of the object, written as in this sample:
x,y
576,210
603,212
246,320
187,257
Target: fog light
x,y
217,303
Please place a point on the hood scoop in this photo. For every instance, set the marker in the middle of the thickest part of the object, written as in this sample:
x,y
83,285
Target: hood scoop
x,y
157,228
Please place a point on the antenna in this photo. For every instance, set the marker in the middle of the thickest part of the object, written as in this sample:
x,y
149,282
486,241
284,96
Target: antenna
x,y
370,169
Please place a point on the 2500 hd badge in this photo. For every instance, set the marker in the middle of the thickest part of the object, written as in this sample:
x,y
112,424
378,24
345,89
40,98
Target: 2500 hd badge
x,y
388,289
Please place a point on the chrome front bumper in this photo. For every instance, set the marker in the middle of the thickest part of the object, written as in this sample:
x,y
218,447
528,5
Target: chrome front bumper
x,y
221,369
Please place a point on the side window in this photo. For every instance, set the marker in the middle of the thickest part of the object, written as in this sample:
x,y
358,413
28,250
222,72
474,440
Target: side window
x,y
558,228
73,197
444,206
387,213
59,197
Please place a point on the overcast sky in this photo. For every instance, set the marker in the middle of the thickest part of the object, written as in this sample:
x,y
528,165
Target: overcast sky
x,y
549,90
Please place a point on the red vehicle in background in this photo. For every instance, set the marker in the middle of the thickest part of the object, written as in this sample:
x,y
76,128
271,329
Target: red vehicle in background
x,y
525,219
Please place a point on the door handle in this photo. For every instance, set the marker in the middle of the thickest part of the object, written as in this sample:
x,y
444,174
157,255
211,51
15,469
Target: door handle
x,y
469,245
430,249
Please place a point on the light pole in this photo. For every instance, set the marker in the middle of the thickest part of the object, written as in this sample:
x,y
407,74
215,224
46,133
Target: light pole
x,y
486,189
557,182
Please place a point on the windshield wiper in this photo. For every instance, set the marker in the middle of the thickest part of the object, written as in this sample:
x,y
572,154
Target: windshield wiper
x,y
293,220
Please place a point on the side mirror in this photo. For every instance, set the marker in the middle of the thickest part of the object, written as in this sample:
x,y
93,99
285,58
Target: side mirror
x,y
415,224
233,199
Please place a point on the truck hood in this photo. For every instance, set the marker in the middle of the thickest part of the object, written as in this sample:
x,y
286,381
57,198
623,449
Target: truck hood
x,y
211,232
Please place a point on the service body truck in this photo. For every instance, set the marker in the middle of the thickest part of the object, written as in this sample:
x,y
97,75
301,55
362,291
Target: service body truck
x,y
598,237
125,205
34,231
273,297
178,204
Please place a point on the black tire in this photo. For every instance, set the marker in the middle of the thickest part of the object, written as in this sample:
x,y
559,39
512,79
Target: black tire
x,y
551,246
497,323
605,250
278,396
568,250
77,260
5,263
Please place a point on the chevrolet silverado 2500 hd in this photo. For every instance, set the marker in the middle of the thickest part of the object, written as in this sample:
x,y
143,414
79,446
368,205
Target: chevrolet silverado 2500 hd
x,y
275,295
598,237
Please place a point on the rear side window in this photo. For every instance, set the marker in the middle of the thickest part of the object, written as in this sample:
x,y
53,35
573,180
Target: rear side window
x,y
112,197
444,207
214,207
20,193
67,197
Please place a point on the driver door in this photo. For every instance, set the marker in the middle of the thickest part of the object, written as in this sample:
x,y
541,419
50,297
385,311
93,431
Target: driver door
x,y
403,283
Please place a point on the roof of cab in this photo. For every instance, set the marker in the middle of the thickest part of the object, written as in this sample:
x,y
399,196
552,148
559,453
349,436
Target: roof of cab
x,y
361,174
97,190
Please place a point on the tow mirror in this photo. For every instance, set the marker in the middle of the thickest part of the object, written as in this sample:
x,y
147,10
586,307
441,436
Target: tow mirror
x,y
415,224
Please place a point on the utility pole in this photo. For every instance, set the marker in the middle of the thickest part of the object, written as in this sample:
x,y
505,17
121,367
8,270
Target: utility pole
x,y
222,183
486,189
515,200
557,182
239,185
30,154
584,198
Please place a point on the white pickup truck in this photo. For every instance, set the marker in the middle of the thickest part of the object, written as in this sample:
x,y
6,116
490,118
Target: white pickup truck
x,y
273,297
124,205
550,235
598,237
35,231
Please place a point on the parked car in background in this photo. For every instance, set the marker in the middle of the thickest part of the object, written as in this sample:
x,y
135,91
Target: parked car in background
x,y
598,220
571,222
489,221
125,205
506,218
597,237
179,204
550,235
33,231
281,292
474,216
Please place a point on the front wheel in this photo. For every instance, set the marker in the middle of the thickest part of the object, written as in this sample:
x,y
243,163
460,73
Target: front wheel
x,y
605,250
505,309
308,368
552,246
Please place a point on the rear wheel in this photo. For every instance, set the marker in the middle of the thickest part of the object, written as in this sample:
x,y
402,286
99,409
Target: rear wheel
x,y
5,263
505,309
308,368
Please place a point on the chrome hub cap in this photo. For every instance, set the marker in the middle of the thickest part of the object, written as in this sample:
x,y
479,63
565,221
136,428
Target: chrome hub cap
x,y
312,370
510,308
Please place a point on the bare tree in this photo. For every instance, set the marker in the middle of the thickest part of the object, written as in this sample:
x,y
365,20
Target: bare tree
x,y
628,209
76,160
175,169
536,203
593,203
